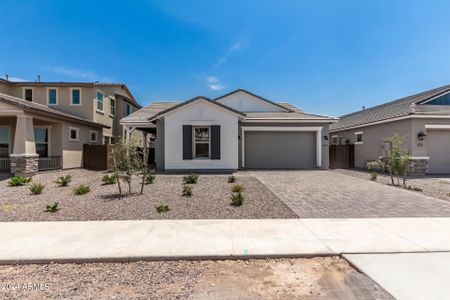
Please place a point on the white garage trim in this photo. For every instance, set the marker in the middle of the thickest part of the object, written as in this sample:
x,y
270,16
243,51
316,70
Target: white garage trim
x,y
318,131
437,126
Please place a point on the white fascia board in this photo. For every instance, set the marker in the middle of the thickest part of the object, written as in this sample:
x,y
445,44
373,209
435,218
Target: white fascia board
x,y
281,120
437,126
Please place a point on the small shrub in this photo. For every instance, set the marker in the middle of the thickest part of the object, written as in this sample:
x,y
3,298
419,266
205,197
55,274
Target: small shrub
x,y
190,178
187,191
36,188
237,199
231,179
64,180
162,208
414,188
150,177
237,188
19,180
82,189
52,208
373,176
109,179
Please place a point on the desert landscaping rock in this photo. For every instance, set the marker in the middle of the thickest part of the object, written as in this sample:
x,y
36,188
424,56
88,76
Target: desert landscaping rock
x,y
210,200
437,186
316,278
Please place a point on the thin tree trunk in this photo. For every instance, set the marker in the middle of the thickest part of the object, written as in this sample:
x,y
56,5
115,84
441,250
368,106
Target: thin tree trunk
x,y
143,180
118,183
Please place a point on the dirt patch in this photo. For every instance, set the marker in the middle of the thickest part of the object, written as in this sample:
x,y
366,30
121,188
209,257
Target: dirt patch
x,y
210,200
316,278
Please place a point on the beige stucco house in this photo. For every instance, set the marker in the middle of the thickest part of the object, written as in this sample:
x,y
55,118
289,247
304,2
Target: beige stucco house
x,y
423,120
43,125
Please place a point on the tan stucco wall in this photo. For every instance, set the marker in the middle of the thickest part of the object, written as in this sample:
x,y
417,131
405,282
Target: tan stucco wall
x,y
420,148
5,88
73,150
373,137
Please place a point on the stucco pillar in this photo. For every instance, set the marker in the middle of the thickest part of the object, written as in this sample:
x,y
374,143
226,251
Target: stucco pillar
x,y
24,159
145,148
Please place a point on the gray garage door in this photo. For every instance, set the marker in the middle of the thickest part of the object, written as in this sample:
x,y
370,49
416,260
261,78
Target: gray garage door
x,y
293,150
438,143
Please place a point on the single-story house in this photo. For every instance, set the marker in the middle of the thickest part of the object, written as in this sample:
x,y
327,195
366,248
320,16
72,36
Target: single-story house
x,y
423,120
239,130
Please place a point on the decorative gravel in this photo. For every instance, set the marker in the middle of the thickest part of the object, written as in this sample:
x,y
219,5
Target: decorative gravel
x,y
210,200
437,186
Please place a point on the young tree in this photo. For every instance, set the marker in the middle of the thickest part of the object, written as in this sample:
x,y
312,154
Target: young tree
x,y
397,159
127,162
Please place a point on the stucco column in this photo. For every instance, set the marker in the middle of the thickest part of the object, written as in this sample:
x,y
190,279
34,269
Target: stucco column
x,y
145,148
24,157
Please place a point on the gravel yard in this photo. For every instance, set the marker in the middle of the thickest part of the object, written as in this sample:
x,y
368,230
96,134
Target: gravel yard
x,y
210,200
432,185
315,278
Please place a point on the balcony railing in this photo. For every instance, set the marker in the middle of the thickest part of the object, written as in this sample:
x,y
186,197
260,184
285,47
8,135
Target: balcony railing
x,y
49,163
5,164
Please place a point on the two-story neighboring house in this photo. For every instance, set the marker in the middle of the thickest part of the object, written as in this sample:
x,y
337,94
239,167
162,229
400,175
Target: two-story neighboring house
x,y
45,124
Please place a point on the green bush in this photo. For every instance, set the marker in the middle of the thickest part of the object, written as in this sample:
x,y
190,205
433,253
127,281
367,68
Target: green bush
x,y
150,177
238,188
187,191
36,188
162,208
373,176
82,189
190,178
64,180
18,180
231,179
109,179
52,208
237,199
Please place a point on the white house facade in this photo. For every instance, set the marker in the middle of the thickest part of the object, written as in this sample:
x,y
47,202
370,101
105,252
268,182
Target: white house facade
x,y
239,130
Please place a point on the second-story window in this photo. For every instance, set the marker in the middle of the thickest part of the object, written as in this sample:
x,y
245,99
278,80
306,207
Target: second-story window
x,y
100,97
129,109
28,94
52,96
112,111
75,97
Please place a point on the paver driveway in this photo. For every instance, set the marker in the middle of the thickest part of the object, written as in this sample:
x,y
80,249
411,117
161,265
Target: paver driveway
x,y
327,194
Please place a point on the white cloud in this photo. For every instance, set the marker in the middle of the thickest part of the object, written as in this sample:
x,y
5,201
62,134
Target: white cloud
x,y
214,83
216,87
80,74
233,48
17,79
212,79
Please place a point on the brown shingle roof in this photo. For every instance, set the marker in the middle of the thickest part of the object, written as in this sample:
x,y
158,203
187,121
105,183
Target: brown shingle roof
x,y
396,108
43,109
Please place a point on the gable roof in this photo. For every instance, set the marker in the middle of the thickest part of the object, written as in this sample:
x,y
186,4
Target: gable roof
x,y
400,107
179,105
254,95
44,109
147,112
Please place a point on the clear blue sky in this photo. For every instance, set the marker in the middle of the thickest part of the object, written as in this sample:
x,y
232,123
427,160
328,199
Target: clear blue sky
x,y
328,57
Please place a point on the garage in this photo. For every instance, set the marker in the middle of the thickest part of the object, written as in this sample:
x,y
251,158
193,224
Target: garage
x,y
438,142
280,150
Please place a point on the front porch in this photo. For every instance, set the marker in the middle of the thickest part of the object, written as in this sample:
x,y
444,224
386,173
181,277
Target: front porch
x,y
29,143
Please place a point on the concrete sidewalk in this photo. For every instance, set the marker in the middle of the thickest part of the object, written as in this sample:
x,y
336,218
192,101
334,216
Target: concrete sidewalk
x,y
407,275
171,239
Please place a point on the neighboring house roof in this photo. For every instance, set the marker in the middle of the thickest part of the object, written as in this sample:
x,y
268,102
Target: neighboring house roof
x,y
254,95
130,99
400,107
44,109
147,112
